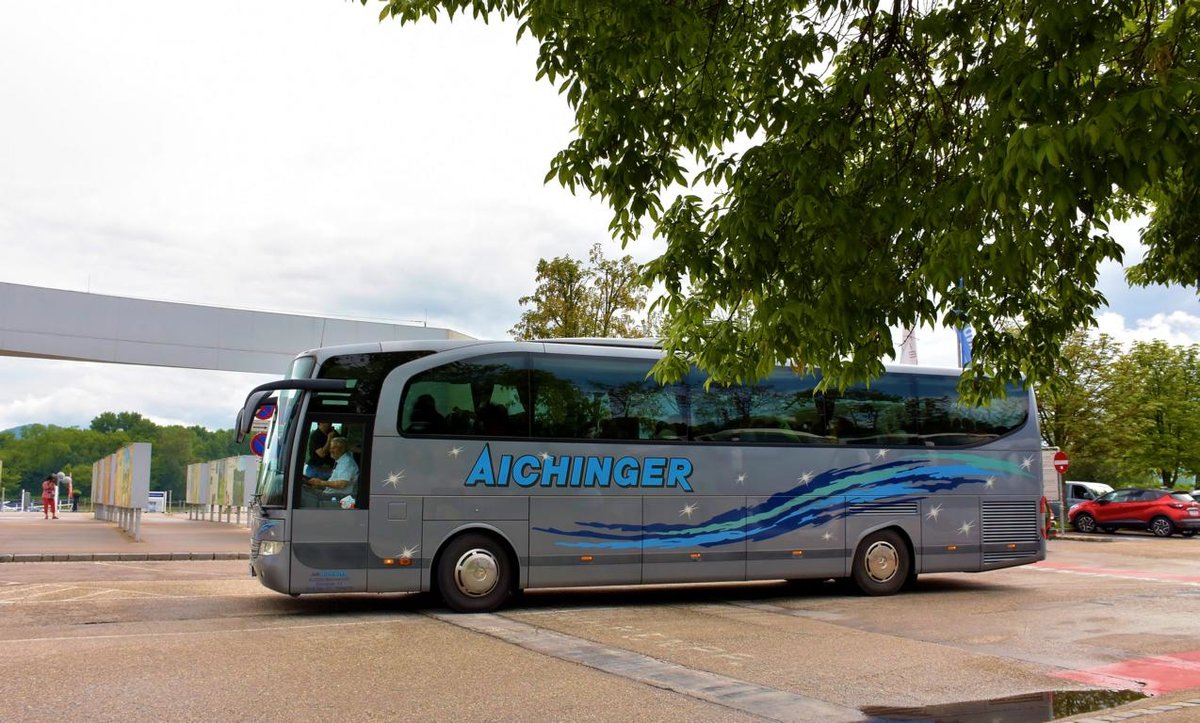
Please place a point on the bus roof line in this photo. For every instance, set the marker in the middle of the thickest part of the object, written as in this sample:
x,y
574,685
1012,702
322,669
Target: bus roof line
x,y
647,343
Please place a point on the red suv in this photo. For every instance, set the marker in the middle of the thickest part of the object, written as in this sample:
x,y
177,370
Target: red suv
x,y
1162,512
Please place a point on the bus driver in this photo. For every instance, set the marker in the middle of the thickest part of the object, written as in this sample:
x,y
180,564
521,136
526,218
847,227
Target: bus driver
x,y
343,480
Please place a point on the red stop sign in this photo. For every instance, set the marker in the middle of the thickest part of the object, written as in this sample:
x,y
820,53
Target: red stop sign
x,y
1061,463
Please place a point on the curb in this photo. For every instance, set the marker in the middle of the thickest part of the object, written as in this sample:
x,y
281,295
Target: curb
x,y
1079,537
121,556
1121,715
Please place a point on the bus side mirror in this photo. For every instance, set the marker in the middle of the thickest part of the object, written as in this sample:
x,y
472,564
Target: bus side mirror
x,y
245,416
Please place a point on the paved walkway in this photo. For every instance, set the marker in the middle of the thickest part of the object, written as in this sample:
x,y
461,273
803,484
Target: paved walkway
x,y
79,536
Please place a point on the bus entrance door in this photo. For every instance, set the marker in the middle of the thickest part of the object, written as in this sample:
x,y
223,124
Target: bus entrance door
x,y
329,550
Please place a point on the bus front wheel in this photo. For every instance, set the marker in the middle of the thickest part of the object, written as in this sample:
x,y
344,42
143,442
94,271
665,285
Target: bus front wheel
x,y
474,574
882,564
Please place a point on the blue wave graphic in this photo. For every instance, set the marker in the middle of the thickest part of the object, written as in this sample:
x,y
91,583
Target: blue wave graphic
x,y
814,503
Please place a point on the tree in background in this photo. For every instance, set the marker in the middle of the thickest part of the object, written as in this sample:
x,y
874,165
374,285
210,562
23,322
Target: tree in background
x,y
600,299
1072,405
1125,417
1155,398
42,449
865,166
132,423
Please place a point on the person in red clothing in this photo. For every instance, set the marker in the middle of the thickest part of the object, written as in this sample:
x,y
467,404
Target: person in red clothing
x,y
49,488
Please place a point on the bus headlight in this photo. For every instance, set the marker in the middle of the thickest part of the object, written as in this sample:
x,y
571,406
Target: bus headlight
x,y
270,547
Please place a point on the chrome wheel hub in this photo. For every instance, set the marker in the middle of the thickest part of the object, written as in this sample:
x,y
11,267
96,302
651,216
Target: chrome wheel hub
x,y
882,561
476,573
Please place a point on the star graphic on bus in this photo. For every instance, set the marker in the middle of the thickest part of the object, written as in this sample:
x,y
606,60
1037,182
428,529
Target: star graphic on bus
x,y
394,479
741,479
688,510
934,512
990,482
881,454
545,456
454,452
1026,463
827,536
409,552
805,478
966,528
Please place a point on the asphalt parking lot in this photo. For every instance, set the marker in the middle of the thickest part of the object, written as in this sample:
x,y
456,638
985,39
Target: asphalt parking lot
x,y
1104,621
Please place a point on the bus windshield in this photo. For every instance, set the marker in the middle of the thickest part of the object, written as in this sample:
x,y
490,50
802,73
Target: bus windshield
x,y
270,478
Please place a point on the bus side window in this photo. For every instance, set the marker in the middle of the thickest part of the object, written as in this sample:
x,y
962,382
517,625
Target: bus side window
x,y
450,399
602,399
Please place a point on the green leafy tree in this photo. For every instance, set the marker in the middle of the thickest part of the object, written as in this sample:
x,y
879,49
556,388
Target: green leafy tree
x,y
170,455
44,449
857,166
1155,398
135,425
1072,407
573,300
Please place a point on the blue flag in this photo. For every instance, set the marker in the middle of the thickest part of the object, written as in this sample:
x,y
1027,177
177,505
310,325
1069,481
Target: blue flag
x,y
965,336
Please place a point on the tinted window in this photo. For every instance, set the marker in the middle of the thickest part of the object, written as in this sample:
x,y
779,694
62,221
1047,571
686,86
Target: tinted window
x,y
896,409
487,397
888,411
604,398
567,397
781,409
944,420
368,370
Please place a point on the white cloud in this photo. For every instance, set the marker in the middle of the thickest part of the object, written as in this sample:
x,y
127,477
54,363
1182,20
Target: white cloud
x,y
70,394
1175,327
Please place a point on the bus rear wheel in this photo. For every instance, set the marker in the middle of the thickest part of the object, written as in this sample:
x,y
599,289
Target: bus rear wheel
x,y
474,574
882,564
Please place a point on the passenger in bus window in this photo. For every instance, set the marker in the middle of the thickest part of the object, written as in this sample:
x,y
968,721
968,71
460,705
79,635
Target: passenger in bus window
x,y
426,419
493,420
319,462
343,479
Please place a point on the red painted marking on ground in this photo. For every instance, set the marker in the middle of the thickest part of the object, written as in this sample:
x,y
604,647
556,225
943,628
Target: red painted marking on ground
x,y
1134,574
1154,675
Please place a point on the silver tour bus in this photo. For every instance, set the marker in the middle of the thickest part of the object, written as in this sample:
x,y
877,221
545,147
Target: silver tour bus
x,y
478,468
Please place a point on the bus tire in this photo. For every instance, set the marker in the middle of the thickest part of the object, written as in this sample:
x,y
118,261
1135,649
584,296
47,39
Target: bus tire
x,y
882,564
474,574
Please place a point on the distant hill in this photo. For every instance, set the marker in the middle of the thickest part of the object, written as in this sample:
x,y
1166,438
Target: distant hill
x,y
17,432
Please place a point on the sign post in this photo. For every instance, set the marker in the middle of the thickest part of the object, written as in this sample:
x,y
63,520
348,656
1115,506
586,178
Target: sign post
x,y
259,427
1061,465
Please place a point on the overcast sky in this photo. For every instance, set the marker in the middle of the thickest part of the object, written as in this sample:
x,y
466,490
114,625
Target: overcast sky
x,y
300,156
